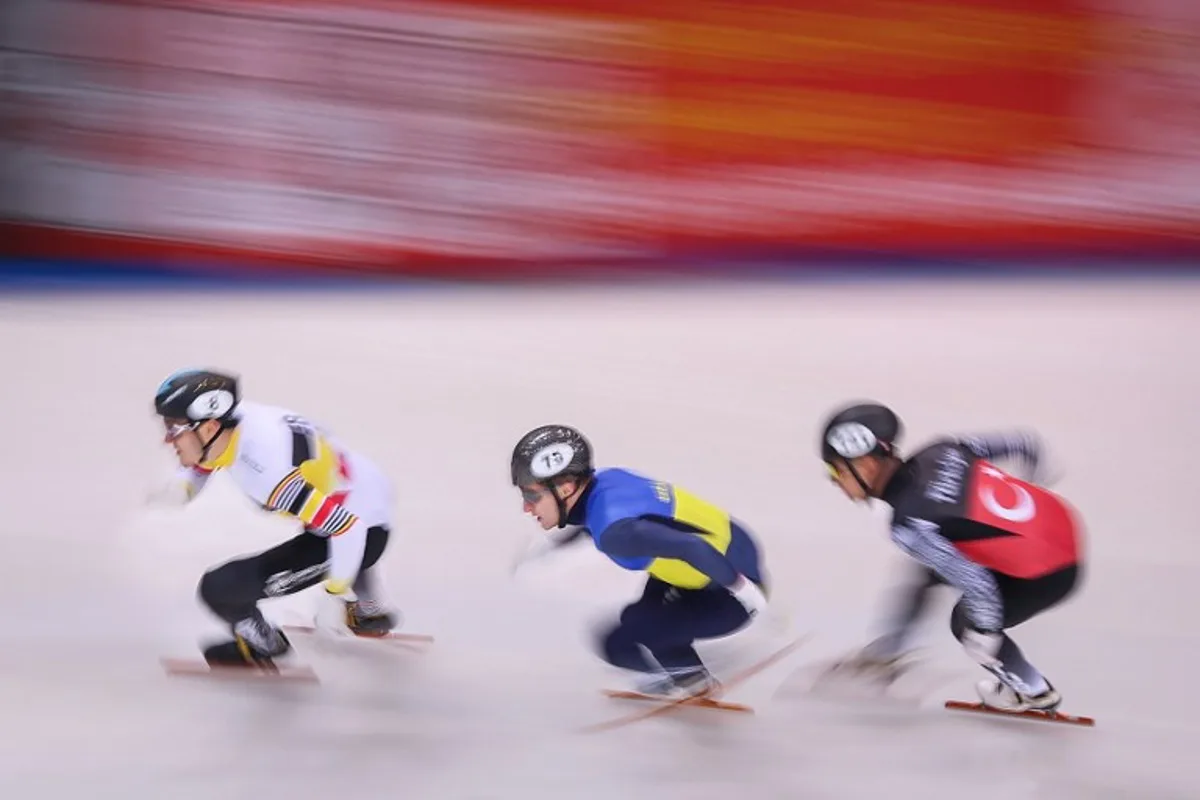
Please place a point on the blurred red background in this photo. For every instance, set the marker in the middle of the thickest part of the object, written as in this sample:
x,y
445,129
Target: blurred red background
x,y
494,135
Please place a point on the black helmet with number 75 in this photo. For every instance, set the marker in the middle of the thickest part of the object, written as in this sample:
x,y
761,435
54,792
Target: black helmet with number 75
x,y
549,452
546,454
861,429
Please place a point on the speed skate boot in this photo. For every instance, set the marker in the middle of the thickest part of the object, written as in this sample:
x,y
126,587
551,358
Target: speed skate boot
x,y
678,684
1002,697
368,618
255,644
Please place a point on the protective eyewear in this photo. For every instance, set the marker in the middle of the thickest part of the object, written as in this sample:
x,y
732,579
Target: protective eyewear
x,y
176,428
532,494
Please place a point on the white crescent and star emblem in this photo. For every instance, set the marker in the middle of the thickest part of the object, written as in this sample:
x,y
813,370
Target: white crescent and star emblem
x,y
1023,511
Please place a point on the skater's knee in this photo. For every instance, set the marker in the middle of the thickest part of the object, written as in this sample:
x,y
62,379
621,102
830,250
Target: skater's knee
x,y
611,638
616,645
224,585
958,621
209,588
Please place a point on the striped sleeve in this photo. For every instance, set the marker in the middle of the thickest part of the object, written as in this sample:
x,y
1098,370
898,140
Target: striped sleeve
x,y
1021,445
319,512
922,539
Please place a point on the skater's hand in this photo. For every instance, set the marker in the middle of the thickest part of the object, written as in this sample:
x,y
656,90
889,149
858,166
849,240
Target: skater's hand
x,y
749,595
544,545
330,617
531,552
336,587
170,494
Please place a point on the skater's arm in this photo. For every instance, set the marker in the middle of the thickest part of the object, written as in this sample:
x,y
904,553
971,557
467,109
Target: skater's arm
x,y
910,602
324,515
644,538
183,486
914,597
1021,445
981,598
345,557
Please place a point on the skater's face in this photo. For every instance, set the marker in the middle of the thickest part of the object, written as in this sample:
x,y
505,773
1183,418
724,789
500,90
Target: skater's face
x,y
188,441
867,469
538,501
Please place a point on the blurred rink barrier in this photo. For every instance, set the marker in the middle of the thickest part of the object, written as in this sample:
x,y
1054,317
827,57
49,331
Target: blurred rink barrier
x,y
500,138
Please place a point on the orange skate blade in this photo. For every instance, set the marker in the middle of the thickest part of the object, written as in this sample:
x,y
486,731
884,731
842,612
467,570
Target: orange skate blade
x,y
1044,716
399,638
702,702
199,668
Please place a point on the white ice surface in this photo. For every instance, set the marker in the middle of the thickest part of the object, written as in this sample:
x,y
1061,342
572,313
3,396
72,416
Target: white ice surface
x,y
720,390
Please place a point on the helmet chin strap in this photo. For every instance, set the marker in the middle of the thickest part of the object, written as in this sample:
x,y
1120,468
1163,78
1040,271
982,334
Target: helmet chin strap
x,y
205,447
883,466
859,478
866,489
561,502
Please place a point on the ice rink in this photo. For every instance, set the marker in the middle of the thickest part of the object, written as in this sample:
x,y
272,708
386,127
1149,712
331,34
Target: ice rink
x,y
720,389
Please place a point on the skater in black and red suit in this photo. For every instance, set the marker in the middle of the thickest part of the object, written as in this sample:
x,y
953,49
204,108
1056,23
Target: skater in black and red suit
x,y
1009,546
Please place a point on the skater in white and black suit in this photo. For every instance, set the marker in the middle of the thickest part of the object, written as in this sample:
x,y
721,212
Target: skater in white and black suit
x,y
286,465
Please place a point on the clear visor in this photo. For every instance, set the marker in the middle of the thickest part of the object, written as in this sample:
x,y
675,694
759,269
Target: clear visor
x,y
175,428
531,494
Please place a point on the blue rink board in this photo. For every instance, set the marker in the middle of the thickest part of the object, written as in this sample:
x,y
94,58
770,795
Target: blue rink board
x,y
34,276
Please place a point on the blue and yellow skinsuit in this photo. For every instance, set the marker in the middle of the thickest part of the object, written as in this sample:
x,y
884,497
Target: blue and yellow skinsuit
x,y
691,550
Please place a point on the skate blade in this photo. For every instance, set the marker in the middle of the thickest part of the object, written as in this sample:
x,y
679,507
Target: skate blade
x,y
667,705
186,667
399,638
1044,716
700,701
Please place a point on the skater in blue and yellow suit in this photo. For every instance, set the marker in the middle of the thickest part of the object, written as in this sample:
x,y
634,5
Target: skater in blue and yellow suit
x,y
704,575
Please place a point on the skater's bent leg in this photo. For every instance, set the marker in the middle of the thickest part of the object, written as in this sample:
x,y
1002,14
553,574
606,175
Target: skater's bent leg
x,y
367,591
619,648
231,591
1014,670
1023,599
667,622
619,645
695,616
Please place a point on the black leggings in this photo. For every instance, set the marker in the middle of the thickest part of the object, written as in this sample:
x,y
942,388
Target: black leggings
x,y
1024,598
666,621
233,589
